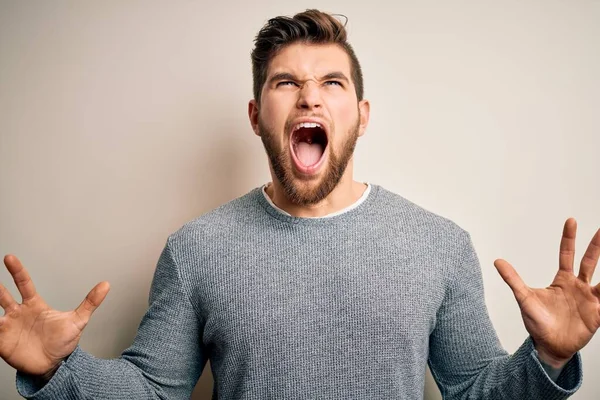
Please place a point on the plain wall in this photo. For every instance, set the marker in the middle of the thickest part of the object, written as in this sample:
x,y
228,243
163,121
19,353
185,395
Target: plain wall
x,y
120,121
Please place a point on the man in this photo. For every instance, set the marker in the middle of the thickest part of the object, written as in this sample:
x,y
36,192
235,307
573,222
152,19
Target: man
x,y
314,286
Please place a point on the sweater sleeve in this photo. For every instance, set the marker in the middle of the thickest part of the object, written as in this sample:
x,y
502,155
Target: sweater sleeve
x,y
164,361
465,355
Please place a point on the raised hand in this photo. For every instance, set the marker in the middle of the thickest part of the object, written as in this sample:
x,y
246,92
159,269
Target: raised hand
x,y
563,317
34,338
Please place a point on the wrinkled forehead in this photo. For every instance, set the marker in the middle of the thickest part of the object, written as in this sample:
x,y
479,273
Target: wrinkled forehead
x,y
307,61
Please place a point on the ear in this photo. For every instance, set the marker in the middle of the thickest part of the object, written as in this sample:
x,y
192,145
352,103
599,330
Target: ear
x,y
253,116
364,109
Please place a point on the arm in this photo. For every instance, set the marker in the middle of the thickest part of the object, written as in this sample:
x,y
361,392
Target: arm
x,y
164,361
466,358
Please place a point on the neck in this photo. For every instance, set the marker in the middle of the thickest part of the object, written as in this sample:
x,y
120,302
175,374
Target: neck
x,y
346,193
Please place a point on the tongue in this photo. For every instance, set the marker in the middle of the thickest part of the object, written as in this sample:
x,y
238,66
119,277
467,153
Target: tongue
x,y
309,154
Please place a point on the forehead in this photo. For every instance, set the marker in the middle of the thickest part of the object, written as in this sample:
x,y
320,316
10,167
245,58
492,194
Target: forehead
x,y
305,60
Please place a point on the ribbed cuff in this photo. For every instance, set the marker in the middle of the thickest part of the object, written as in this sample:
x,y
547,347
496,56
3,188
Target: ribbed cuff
x,y
568,382
61,386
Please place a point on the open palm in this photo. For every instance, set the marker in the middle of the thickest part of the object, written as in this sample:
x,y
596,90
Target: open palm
x,y
34,338
563,317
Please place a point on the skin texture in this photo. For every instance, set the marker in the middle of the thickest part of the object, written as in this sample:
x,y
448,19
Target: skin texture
x,y
307,91
34,338
562,318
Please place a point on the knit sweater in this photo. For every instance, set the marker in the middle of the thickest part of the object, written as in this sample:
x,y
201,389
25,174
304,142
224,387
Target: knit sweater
x,y
355,306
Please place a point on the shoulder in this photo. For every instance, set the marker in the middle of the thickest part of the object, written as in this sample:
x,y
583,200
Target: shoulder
x,y
219,223
414,219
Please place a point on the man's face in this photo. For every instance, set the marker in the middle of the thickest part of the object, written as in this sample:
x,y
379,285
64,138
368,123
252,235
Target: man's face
x,y
309,119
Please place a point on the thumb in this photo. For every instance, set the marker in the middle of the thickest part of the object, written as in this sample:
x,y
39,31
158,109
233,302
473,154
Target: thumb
x,y
91,302
512,279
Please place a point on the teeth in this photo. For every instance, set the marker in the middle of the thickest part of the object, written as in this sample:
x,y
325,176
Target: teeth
x,y
307,125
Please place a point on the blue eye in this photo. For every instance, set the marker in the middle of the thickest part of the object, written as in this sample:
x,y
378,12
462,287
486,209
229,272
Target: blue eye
x,y
329,83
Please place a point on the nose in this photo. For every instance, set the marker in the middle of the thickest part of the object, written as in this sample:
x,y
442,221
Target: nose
x,y
309,96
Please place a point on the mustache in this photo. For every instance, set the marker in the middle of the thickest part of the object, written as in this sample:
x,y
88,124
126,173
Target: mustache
x,y
288,123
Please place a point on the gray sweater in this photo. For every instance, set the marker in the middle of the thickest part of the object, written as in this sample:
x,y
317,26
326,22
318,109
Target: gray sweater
x,y
349,307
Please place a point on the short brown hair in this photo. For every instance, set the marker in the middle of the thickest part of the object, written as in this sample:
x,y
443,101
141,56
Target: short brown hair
x,y
311,27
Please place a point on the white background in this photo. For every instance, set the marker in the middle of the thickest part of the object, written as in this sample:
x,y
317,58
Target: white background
x,y
120,121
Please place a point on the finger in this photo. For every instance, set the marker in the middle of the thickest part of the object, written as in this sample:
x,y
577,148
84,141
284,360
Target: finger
x,y
590,259
567,246
91,302
512,279
6,300
20,276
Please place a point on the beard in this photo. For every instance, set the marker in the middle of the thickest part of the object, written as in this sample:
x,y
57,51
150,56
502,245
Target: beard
x,y
305,192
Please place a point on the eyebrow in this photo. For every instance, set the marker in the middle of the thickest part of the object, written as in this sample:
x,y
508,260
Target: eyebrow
x,y
286,76
336,75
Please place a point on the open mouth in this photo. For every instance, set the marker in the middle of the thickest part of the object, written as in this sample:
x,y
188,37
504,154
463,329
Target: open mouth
x,y
308,143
